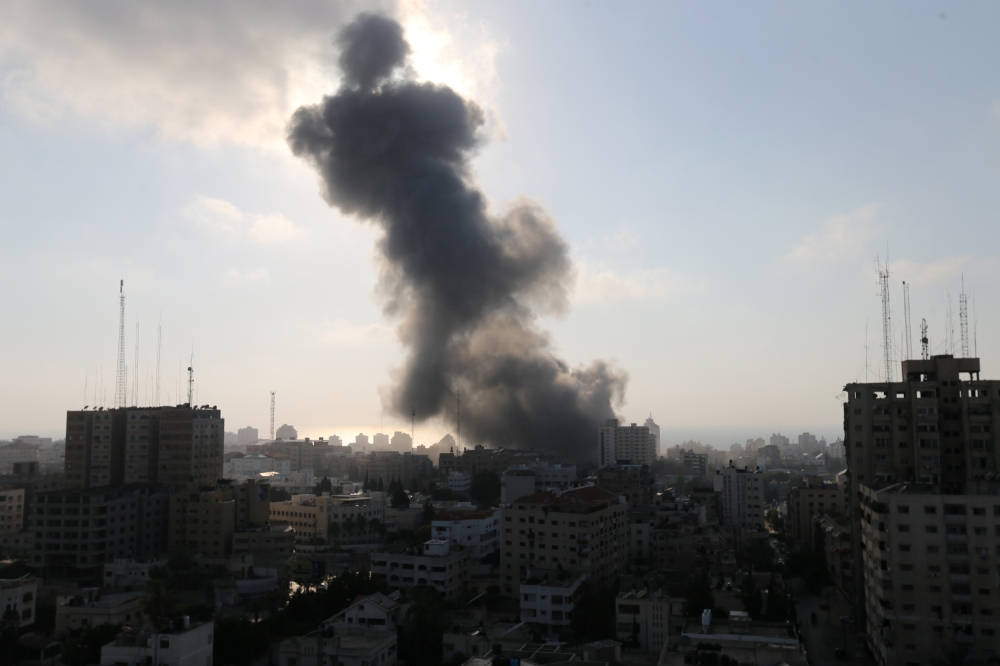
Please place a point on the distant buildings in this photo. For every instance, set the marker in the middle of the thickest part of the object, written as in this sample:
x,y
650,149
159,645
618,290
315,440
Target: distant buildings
x,y
620,444
186,643
254,464
806,503
654,430
742,496
524,480
459,482
695,464
176,446
11,509
481,459
286,431
246,436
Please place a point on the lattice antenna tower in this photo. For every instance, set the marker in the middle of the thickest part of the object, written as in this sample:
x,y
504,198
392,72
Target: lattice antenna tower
x,y
906,320
120,377
925,342
159,347
963,320
883,277
272,416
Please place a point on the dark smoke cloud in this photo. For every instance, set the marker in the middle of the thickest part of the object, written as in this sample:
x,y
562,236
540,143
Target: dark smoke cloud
x,y
466,283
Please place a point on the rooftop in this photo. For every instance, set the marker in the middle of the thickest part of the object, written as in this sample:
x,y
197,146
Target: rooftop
x,y
575,500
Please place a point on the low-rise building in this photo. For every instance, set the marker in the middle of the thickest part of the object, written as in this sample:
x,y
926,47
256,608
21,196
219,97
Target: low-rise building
x,y
743,641
132,573
642,618
18,594
89,607
254,464
184,644
363,634
549,603
268,544
203,522
479,531
438,564
459,482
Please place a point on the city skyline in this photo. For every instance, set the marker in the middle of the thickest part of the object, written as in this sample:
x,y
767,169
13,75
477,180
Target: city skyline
x,y
221,235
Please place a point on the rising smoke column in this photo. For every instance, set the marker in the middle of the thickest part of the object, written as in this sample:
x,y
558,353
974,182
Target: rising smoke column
x,y
466,284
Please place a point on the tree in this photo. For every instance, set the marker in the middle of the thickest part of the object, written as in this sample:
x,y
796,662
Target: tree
x,y
10,627
485,488
160,603
423,629
376,526
334,532
84,645
324,486
367,485
753,601
400,500
697,594
381,488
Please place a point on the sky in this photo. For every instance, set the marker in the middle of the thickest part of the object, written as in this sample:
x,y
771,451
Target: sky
x,y
726,174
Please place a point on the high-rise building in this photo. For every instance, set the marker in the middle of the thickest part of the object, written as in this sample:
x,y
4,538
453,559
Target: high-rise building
x,y
806,503
176,446
921,466
286,431
619,444
11,509
581,531
654,430
742,496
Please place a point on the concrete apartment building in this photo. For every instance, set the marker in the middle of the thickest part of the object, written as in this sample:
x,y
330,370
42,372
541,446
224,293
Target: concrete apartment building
x,y
202,523
695,464
175,446
18,451
438,564
742,496
20,594
524,480
479,531
805,503
549,605
311,515
480,459
78,530
184,644
91,607
644,616
928,443
459,482
254,464
583,531
389,466
11,509
246,436
625,444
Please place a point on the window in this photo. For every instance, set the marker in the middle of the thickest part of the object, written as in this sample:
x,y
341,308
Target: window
x,y
902,508
931,529
930,510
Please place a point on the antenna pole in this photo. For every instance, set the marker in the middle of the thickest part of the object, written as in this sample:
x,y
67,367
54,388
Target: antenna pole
x,y
906,320
272,416
191,382
963,319
883,276
159,346
120,377
925,343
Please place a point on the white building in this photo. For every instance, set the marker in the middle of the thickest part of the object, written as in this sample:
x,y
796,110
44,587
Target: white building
x,y
18,451
523,480
654,430
742,496
548,602
129,572
479,531
515,484
459,482
378,612
444,569
187,644
19,594
254,464
619,444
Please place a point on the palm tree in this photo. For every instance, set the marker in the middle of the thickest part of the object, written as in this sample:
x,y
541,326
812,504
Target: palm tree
x,y
160,603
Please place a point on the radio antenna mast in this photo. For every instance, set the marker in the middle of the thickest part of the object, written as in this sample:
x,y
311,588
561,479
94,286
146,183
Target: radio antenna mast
x,y
272,416
963,320
906,320
159,347
120,387
191,382
925,343
883,277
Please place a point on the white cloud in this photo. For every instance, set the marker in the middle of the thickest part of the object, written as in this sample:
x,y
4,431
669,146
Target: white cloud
x,y
230,71
236,276
596,283
941,270
342,333
223,218
841,236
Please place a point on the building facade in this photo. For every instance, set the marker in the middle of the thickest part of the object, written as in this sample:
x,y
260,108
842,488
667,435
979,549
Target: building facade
x,y
643,617
20,595
479,531
625,444
439,564
11,509
583,531
806,503
202,522
175,446
742,496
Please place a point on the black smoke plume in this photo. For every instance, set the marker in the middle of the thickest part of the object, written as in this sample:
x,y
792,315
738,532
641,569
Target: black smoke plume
x,y
465,283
